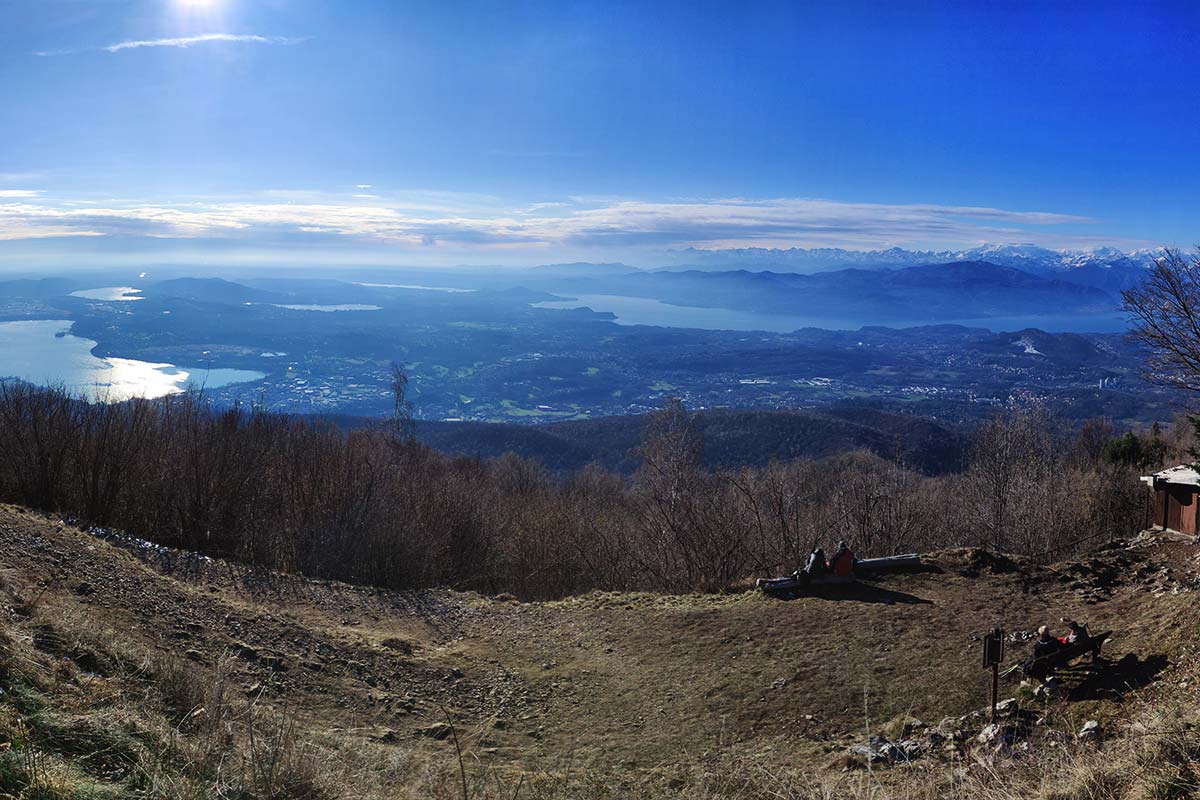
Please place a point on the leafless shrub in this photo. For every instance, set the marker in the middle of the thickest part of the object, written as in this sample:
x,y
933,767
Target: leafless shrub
x,y
282,493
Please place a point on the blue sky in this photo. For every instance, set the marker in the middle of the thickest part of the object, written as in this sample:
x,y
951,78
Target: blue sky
x,y
289,131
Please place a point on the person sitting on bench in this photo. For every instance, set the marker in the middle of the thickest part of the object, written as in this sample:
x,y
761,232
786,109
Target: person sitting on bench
x,y
815,568
1077,632
1046,644
842,563
816,565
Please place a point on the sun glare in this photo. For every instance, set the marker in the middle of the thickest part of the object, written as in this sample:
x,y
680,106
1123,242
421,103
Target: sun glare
x,y
199,10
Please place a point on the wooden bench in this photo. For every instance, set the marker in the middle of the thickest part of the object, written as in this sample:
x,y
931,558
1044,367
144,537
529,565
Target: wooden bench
x,y
1044,666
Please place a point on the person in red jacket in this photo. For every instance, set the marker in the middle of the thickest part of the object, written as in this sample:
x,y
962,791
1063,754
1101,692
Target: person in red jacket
x,y
842,563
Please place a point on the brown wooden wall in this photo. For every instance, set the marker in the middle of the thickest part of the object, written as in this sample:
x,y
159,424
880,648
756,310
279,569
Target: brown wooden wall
x,y
1181,504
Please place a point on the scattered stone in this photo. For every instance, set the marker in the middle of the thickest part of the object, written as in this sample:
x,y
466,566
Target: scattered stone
x,y
879,750
869,754
996,736
1090,732
1051,689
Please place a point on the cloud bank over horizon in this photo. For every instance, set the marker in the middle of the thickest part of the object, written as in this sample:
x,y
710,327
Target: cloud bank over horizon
x,y
430,223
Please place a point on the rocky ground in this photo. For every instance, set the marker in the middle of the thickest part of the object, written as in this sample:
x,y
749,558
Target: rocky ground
x,y
876,674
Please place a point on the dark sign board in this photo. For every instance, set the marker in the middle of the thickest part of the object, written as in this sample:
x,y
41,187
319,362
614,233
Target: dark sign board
x,y
993,648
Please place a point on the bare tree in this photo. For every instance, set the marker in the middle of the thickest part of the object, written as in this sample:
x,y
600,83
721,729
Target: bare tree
x,y
1166,311
281,492
1012,465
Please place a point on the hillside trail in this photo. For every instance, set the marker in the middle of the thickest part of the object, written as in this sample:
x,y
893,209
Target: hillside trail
x,y
613,680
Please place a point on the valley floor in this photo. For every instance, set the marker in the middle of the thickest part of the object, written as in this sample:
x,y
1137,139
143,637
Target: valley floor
x,y
626,690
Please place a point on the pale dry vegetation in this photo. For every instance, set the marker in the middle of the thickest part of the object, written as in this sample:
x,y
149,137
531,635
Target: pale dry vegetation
x,y
151,726
84,715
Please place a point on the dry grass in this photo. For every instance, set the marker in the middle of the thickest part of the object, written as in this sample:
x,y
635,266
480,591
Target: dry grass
x,y
84,717
170,730
100,701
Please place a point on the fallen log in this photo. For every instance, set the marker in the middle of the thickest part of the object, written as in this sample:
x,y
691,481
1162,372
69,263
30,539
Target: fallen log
x,y
897,563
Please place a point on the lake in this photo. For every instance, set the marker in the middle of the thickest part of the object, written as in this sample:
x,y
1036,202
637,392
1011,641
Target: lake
x,y
42,351
646,311
110,293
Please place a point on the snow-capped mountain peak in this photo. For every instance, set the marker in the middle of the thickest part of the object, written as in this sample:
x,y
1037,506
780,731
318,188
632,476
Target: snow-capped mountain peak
x,y
1103,267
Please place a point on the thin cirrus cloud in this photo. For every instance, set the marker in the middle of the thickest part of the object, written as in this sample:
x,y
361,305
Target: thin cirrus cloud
x,y
184,41
478,222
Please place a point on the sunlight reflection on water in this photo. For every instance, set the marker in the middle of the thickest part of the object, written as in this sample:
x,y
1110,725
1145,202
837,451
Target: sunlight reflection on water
x,y
110,293
41,351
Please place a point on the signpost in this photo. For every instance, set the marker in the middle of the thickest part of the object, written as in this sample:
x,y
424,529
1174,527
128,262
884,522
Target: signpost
x,y
993,654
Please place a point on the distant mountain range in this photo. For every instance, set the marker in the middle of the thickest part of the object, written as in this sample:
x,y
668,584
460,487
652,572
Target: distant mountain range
x,y
1103,267
909,295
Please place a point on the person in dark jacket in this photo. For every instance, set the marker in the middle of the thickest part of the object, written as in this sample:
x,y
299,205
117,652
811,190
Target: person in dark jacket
x,y
814,568
1046,644
816,565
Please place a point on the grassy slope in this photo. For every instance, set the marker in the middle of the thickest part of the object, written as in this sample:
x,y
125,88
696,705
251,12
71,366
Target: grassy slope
x,y
642,687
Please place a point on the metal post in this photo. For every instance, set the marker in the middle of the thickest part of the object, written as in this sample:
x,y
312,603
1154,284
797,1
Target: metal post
x,y
995,689
993,654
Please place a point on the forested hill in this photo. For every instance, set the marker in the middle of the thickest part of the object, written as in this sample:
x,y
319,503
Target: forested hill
x,y
732,438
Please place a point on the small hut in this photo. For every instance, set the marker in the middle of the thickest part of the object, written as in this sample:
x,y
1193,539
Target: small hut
x,y
1175,498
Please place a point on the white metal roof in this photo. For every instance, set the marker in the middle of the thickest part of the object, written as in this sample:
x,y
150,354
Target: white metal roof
x,y
1182,475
